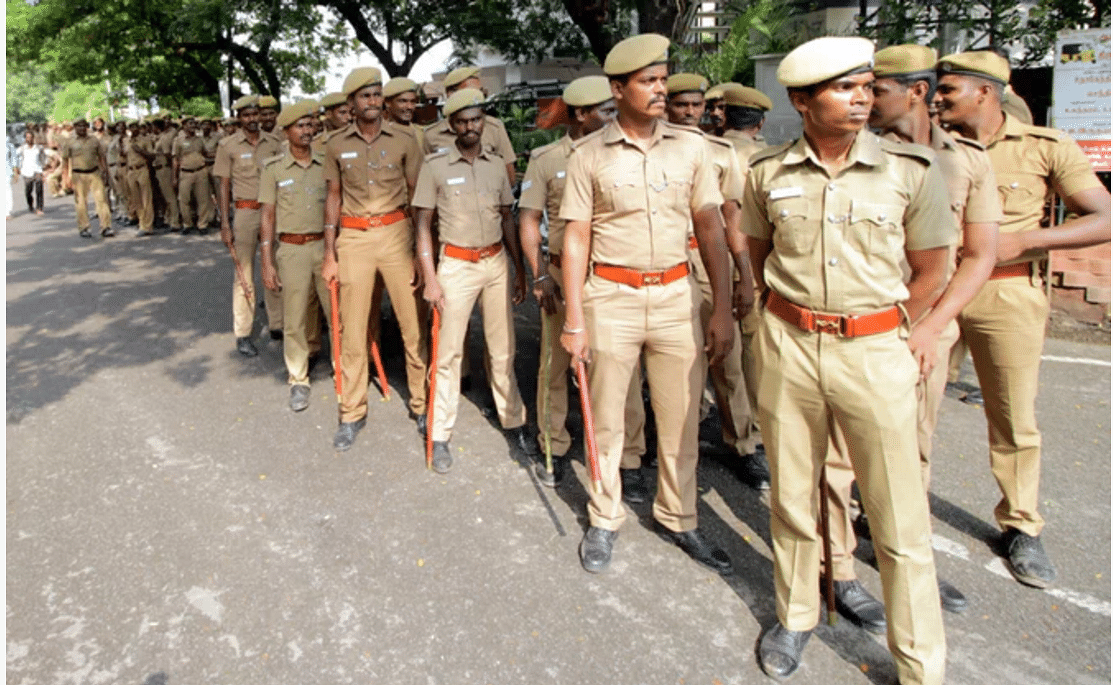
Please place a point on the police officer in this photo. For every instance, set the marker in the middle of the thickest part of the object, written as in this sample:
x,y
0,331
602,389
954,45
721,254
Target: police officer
x,y
905,83
831,219
716,107
1004,324
191,177
239,158
467,187
163,166
337,113
590,107
292,191
634,174
440,136
268,113
83,156
686,108
400,98
371,169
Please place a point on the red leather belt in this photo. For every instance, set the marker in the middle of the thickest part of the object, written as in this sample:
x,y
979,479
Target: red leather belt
x,y
247,204
299,238
693,244
845,326
470,255
1011,271
363,223
640,279
554,259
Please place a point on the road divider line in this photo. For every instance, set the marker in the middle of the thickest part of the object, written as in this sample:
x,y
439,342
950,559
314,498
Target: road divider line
x,y
1075,360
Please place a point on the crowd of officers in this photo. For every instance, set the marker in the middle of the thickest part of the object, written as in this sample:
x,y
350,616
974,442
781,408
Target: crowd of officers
x,y
820,285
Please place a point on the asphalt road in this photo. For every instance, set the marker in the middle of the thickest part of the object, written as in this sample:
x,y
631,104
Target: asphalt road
x,y
170,522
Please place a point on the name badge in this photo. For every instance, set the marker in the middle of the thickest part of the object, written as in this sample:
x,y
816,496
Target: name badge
x,y
349,155
247,155
782,193
455,181
560,174
287,182
526,185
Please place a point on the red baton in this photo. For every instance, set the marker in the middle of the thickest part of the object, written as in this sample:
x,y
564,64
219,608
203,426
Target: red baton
x,y
431,396
248,293
379,369
589,428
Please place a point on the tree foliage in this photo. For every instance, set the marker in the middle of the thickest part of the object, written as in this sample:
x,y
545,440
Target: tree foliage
x,y
760,27
29,96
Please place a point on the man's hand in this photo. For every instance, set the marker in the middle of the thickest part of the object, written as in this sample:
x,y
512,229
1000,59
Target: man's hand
x,y
270,277
923,343
547,293
330,270
743,300
719,337
519,288
433,294
575,344
226,234
417,280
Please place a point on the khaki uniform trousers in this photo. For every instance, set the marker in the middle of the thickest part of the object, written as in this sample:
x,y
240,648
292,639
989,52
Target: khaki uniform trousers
x,y
130,207
736,415
659,321
1004,327
53,180
85,185
362,255
118,191
139,187
165,177
560,361
810,385
463,283
840,474
299,269
194,186
245,234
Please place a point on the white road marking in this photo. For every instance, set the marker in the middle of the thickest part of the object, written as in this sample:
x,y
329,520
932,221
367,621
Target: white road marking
x,y
1079,599
1075,360
948,546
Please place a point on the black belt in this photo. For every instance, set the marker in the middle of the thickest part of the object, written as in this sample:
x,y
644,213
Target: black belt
x,y
190,171
85,171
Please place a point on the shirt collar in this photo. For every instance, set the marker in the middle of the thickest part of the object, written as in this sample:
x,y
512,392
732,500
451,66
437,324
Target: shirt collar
x,y
866,149
288,159
615,134
1012,128
454,154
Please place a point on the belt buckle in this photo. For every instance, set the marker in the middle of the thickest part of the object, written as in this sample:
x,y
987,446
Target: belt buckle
x,y
652,278
374,222
827,326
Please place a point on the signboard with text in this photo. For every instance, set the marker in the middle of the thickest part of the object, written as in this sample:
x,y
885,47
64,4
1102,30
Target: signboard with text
x,y
1081,91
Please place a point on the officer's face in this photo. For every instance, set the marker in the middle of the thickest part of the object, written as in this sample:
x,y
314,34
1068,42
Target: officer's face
x,y
838,107
467,124
339,116
249,119
300,133
367,104
402,107
599,116
190,127
267,119
686,109
81,130
958,98
891,101
644,93
206,128
717,112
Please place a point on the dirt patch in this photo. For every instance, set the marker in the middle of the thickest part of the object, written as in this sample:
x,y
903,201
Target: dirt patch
x,y
1062,326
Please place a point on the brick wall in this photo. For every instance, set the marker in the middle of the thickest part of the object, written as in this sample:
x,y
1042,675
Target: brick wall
x,y
1080,283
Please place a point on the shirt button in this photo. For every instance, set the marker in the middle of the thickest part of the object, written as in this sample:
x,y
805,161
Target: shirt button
x,y
833,261
1014,184
831,187
654,211
784,213
831,218
881,217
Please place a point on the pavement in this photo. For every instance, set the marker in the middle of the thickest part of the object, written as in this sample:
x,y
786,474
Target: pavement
x,y
171,522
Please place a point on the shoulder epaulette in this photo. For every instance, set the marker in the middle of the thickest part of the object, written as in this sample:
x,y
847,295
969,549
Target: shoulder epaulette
x,y
719,141
918,152
1044,132
966,141
686,129
434,155
496,121
591,136
271,160
538,151
770,152
407,130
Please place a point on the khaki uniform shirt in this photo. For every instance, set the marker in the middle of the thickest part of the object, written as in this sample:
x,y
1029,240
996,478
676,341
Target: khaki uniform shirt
x,y
84,153
468,196
640,202
440,136
543,187
838,243
745,147
238,159
1032,162
297,191
375,176
728,172
164,148
209,146
190,151
112,152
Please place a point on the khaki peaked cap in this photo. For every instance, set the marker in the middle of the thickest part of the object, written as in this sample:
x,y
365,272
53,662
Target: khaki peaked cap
x,y
823,59
636,52
738,95
587,91
399,85
291,113
463,99
245,102
716,92
267,102
899,60
458,76
361,77
981,63
687,83
333,100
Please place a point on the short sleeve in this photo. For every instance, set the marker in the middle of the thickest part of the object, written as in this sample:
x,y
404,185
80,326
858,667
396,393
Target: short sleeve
x,y
705,187
425,193
222,166
506,194
176,150
332,165
267,184
928,220
755,220
732,184
983,202
578,203
1071,171
533,187
413,160
505,147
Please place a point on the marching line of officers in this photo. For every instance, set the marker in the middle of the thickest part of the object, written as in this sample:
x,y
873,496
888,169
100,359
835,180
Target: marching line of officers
x,y
849,261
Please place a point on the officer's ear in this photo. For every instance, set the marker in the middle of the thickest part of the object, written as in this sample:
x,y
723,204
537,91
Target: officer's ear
x,y
800,99
617,83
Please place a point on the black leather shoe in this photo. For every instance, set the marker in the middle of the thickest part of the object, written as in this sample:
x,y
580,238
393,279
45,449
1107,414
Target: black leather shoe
x,y
422,423
634,489
519,437
753,469
202,231
1026,559
276,334
107,232
84,233
346,434
595,549
700,549
442,457
863,609
245,347
781,650
299,397
951,598
550,480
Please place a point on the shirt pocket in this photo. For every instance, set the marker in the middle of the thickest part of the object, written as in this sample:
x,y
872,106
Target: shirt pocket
x,y
621,190
794,227
1021,194
875,228
353,169
678,191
